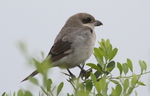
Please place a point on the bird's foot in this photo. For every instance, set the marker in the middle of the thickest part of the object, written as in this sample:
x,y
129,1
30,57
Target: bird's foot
x,y
71,75
84,74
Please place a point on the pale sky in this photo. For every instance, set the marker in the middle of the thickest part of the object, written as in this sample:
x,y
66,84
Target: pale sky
x,y
37,22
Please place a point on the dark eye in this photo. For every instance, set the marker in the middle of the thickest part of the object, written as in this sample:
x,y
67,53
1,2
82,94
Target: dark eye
x,y
87,20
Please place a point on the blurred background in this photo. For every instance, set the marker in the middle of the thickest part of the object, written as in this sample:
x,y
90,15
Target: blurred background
x,y
37,22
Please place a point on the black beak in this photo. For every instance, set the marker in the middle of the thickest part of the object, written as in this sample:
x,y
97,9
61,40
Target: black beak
x,y
98,23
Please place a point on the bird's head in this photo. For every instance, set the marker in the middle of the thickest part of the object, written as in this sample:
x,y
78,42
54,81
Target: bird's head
x,y
82,19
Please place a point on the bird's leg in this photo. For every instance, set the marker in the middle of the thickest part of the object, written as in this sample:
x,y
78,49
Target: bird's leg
x,y
70,74
83,72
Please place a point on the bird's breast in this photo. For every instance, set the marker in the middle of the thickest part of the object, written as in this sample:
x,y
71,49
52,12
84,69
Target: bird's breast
x,y
82,49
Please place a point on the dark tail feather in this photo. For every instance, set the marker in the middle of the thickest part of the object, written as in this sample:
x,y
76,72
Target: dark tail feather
x,y
31,75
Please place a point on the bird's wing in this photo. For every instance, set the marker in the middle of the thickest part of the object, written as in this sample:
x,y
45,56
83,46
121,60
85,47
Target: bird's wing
x,y
63,45
59,50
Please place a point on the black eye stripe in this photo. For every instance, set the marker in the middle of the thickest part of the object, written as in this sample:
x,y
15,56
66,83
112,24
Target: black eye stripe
x,y
87,20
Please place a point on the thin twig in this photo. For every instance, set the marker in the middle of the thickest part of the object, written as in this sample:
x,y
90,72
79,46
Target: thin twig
x,y
128,76
72,84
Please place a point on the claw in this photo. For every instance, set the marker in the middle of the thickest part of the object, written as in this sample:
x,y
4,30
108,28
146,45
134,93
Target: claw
x,y
85,74
71,76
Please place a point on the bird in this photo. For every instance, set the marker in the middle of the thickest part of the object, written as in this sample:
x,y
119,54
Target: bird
x,y
74,43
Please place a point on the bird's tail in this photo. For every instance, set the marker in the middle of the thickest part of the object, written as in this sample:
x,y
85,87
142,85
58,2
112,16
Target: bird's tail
x,y
31,75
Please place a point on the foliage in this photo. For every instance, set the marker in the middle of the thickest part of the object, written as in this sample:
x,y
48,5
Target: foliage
x,y
95,81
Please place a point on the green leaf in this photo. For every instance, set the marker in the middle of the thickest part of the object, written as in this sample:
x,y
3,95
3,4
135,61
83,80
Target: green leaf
x,y
107,44
129,62
102,42
100,63
81,93
23,47
98,54
125,68
97,74
45,65
81,85
3,94
89,85
119,67
102,51
87,75
93,78
108,70
60,88
37,65
134,80
100,66
141,83
27,93
134,77
113,53
69,94
114,93
20,93
130,89
94,66
119,89
126,84
103,83
33,80
111,64
142,65
49,83
101,86
98,87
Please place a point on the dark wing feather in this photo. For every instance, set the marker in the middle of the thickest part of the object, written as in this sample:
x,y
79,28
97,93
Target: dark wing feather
x,y
58,49
31,75
56,52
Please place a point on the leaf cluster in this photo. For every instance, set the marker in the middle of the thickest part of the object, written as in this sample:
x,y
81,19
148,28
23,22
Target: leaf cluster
x,y
95,81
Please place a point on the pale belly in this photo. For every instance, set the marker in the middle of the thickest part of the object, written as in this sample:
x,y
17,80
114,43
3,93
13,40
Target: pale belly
x,y
81,53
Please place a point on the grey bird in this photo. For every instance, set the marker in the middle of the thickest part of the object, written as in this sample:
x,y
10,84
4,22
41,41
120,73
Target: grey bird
x,y
74,44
